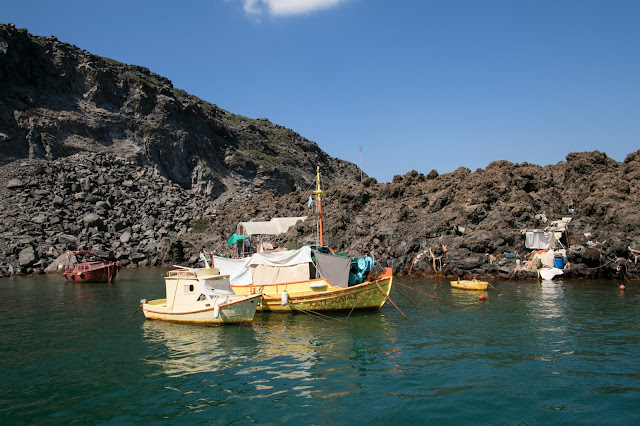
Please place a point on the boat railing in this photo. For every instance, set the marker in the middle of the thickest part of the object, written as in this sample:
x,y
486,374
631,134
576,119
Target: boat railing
x,y
181,273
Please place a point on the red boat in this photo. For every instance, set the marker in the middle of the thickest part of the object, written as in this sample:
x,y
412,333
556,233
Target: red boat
x,y
92,271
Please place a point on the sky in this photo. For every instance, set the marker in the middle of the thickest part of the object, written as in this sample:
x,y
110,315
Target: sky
x,y
392,86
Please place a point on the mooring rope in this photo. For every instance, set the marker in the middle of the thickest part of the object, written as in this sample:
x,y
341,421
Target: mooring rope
x,y
425,293
319,315
389,299
356,304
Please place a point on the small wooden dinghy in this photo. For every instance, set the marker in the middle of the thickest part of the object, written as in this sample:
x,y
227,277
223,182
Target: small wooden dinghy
x,y
469,284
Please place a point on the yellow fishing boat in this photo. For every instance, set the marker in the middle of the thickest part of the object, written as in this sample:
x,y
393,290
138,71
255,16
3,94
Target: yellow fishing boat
x,y
284,278
469,284
320,295
307,279
201,297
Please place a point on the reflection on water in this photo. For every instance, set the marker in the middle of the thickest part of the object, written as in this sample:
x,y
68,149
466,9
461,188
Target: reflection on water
x,y
531,352
549,322
192,349
550,303
278,353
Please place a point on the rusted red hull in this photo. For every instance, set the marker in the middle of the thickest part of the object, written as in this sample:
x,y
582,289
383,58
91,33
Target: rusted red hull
x,y
92,272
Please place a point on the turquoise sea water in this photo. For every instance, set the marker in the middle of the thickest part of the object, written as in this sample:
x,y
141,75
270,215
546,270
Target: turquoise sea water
x,y
540,353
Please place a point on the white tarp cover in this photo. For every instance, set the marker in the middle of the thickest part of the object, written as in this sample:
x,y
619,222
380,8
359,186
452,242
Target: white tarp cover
x,y
539,240
241,270
263,274
277,225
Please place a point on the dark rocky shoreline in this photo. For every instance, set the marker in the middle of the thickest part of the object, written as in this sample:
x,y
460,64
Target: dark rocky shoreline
x,y
471,223
463,223
106,204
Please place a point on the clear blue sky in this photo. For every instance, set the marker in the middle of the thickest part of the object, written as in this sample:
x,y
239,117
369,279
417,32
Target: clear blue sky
x,y
418,84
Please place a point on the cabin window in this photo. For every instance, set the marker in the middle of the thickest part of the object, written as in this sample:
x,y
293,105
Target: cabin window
x,y
188,289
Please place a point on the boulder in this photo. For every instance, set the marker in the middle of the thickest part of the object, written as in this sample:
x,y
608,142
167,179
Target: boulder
x,y
92,220
27,257
57,264
125,237
14,183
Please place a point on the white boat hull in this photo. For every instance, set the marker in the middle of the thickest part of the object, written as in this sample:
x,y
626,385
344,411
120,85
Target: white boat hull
x,y
231,309
548,274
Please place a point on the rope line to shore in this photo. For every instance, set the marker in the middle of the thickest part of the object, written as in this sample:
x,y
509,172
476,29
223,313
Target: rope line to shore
x,y
425,293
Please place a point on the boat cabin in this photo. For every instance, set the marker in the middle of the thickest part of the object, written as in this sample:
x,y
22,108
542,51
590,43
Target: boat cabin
x,y
184,287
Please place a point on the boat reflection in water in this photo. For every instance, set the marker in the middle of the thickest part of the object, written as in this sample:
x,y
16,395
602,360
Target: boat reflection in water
x,y
551,299
548,323
190,349
295,355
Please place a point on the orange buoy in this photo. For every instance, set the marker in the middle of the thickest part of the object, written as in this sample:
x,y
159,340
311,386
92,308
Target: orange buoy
x,y
482,297
622,287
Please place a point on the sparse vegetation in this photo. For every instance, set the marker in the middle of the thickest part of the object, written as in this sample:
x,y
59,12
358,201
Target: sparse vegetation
x,y
110,61
179,92
233,120
292,244
199,225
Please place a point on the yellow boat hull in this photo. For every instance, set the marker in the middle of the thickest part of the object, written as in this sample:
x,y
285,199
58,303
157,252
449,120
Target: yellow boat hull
x,y
232,310
320,295
470,285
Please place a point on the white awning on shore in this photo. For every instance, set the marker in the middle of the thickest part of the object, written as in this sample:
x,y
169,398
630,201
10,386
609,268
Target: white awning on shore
x,y
277,225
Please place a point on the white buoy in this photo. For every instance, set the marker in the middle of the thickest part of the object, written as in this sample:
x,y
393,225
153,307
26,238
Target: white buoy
x,y
216,311
285,298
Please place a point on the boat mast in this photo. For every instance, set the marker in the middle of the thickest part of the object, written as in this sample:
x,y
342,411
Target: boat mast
x,y
318,192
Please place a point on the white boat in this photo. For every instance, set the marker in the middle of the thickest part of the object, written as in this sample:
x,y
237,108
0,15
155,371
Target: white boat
x,y
201,296
548,274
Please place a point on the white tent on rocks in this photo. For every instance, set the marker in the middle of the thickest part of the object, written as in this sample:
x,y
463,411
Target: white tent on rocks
x,y
277,225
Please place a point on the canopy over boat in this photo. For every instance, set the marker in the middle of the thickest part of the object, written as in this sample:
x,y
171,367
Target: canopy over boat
x,y
267,267
285,266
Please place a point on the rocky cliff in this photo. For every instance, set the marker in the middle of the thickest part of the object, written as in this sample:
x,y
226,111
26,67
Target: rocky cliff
x,y
462,223
110,157
471,223
57,100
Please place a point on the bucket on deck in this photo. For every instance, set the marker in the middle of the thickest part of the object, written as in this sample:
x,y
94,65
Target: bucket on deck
x,y
558,262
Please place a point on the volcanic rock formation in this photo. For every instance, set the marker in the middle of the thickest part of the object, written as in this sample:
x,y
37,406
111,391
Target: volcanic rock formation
x,y
111,157
57,100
